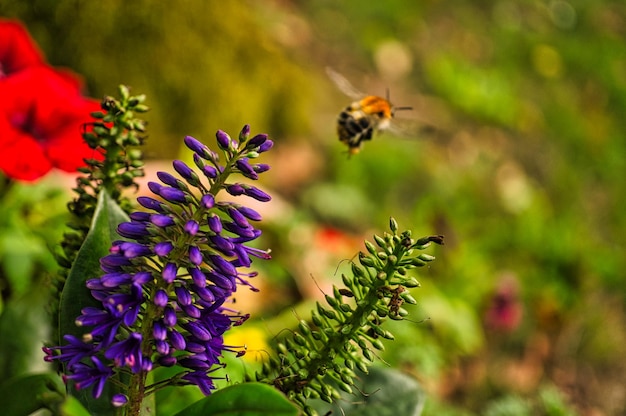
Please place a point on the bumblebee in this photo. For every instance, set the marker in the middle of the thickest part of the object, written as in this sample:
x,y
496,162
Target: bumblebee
x,y
368,114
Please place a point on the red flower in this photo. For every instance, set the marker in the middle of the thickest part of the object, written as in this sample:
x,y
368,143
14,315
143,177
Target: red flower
x,y
41,116
17,50
41,110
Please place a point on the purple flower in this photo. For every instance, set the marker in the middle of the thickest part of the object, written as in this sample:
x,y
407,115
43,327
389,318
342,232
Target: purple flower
x,y
173,274
85,375
128,353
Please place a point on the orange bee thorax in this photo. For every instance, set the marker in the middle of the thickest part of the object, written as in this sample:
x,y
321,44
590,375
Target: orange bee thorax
x,y
373,105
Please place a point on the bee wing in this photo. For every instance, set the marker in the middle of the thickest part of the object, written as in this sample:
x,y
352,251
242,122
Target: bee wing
x,y
343,84
411,129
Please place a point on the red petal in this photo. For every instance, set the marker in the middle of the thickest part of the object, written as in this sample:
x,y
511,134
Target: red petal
x,y
17,49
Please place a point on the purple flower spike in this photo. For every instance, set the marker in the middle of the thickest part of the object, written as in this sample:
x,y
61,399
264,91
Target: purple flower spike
x,y
184,229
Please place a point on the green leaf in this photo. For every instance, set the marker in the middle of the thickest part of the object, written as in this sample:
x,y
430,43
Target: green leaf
x,y
247,399
387,392
76,296
23,326
26,394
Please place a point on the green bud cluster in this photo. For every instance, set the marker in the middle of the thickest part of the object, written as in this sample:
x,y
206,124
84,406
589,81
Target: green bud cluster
x,y
343,335
115,136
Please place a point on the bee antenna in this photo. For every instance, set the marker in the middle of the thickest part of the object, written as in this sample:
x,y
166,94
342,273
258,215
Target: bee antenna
x,y
387,95
403,108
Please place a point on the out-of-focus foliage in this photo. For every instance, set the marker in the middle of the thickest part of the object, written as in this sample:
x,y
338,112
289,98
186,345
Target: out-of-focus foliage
x,y
524,176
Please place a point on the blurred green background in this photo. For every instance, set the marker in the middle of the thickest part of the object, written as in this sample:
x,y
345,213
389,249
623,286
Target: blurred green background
x,y
523,312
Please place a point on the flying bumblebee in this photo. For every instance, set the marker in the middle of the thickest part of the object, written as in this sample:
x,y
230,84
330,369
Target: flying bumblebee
x,y
368,114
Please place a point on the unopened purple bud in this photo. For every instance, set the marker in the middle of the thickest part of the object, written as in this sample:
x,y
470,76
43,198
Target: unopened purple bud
x,y
246,170
161,220
223,139
209,171
207,201
257,140
114,261
195,256
111,280
249,213
173,195
141,278
199,279
215,223
199,331
235,189
243,232
167,179
223,265
257,194
155,187
192,227
161,347
191,311
196,146
221,244
185,171
163,248
159,331
169,317
151,203
139,216
205,294
132,250
169,272
134,230
177,340
160,298
183,296
238,217
119,400
195,347
167,361
261,167
222,281
265,146
245,133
